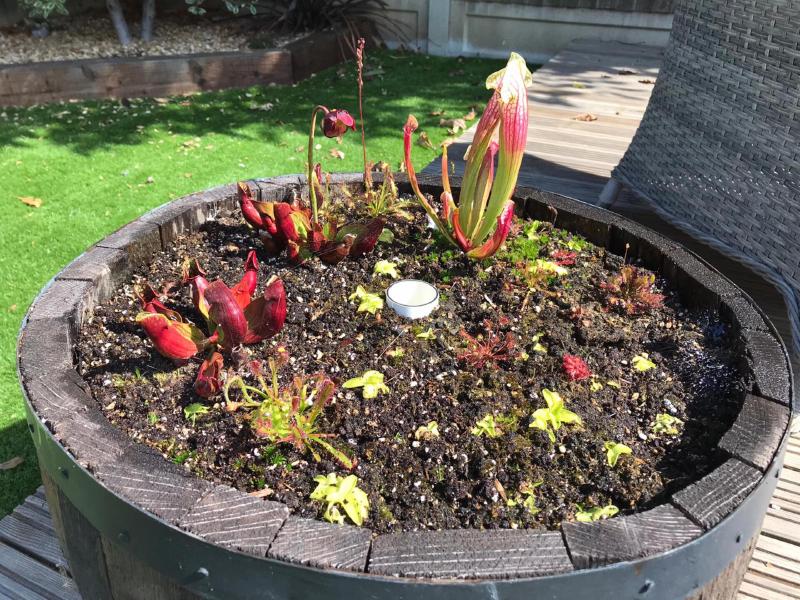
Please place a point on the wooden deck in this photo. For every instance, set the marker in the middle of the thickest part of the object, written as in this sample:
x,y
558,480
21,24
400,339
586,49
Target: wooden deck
x,y
611,82
570,157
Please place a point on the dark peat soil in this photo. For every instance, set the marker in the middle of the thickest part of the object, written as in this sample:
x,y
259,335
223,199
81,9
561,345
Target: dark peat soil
x,y
457,479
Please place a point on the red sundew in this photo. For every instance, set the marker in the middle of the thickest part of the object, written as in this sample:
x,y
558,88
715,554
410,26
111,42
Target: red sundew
x,y
564,258
575,368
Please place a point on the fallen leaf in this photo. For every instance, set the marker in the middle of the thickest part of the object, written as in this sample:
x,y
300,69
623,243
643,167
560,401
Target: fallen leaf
x,y
578,85
455,125
470,115
585,117
336,153
626,72
150,179
30,201
299,148
261,493
647,81
500,490
10,464
12,308
424,141
437,113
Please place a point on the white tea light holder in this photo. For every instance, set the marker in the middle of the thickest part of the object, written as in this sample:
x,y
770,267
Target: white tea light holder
x,y
412,298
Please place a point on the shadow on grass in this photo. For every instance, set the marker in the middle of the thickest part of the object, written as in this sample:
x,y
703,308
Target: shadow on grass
x,y
17,483
401,83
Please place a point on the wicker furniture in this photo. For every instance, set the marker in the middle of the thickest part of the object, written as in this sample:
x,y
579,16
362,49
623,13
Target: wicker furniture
x,y
718,150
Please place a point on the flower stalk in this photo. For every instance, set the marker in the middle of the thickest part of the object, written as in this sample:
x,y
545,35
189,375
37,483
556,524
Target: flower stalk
x,y
311,175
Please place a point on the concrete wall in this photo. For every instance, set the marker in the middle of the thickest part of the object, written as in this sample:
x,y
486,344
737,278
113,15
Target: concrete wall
x,y
538,29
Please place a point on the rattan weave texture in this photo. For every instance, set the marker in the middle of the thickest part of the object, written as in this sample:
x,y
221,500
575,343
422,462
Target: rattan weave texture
x,y
718,150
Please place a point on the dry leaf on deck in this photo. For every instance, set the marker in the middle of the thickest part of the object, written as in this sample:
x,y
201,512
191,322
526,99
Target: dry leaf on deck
x,y
30,201
585,117
424,141
11,463
336,153
453,124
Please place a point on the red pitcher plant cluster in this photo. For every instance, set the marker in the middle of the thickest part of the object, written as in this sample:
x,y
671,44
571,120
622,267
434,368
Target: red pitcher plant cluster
x,y
481,221
305,232
233,318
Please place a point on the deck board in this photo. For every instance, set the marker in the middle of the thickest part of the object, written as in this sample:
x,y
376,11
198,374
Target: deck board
x,y
566,156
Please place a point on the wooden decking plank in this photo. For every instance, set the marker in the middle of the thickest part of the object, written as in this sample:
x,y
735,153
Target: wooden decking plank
x,y
610,89
569,113
786,502
787,487
37,542
607,138
596,107
569,151
755,590
777,566
620,48
35,516
778,511
791,476
774,585
779,528
579,92
620,63
11,589
780,549
38,578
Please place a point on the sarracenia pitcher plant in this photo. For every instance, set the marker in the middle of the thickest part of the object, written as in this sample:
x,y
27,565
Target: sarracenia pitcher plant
x,y
480,222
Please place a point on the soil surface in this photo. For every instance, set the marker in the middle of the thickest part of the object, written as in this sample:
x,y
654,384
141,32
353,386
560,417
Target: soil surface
x,y
460,478
94,37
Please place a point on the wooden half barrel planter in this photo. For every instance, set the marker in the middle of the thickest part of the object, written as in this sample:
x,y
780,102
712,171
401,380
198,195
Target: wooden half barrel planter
x,y
134,526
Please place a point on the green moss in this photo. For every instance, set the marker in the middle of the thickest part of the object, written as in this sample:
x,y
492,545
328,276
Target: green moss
x,y
384,513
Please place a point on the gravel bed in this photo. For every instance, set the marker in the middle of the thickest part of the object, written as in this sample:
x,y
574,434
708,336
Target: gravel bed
x,y
94,37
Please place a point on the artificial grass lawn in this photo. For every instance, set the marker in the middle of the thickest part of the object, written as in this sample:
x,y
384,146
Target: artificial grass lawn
x,y
98,165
